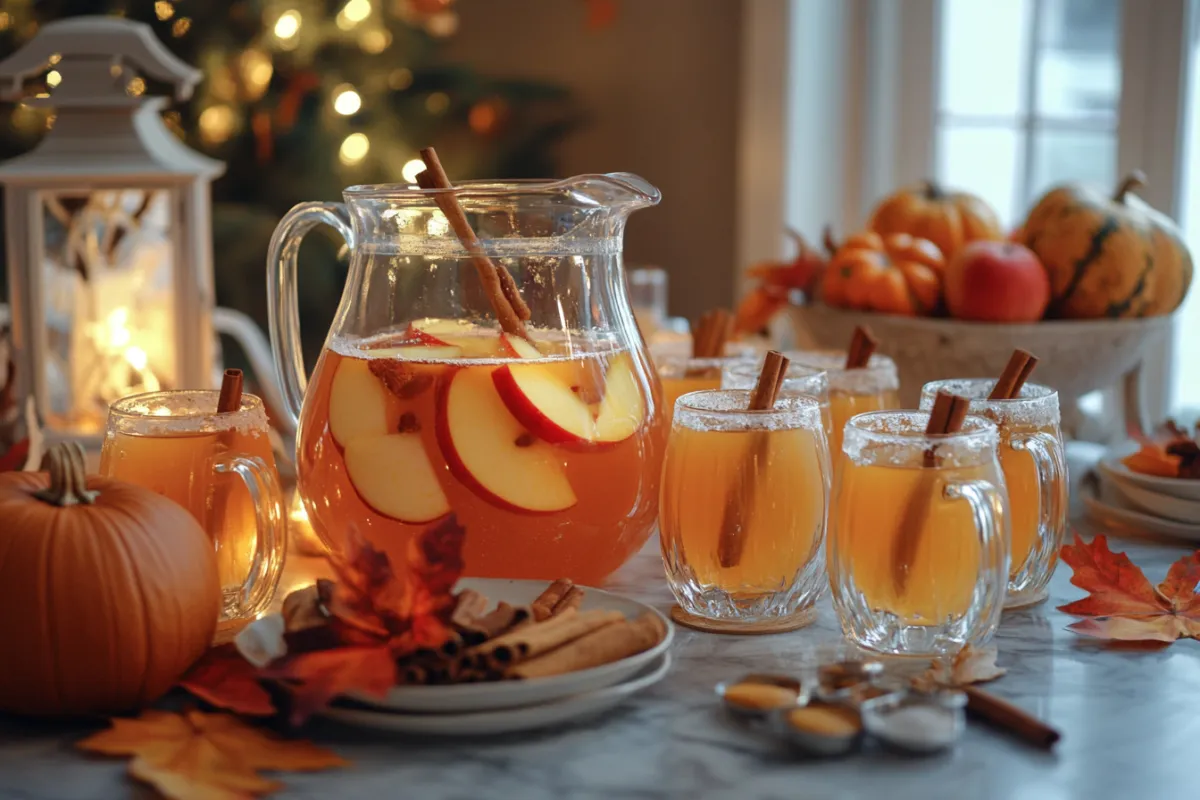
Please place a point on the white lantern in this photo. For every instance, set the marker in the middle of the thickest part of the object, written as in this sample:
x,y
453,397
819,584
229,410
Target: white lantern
x,y
108,228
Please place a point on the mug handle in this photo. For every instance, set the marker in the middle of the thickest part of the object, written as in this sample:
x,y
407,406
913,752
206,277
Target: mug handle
x,y
1051,467
270,541
989,507
282,305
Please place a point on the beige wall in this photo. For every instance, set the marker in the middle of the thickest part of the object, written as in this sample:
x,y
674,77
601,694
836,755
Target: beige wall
x,y
660,89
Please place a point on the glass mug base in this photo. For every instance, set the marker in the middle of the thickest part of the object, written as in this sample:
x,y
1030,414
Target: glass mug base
x,y
801,618
1016,600
894,638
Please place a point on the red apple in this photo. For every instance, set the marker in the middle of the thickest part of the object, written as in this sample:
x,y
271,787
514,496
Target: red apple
x,y
491,453
996,282
544,404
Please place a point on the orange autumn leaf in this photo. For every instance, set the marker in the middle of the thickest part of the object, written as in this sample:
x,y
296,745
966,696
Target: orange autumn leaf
x,y
1153,459
198,756
1122,604
224,678
318,676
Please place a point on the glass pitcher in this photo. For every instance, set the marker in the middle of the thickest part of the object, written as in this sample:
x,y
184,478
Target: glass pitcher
x,y
548,447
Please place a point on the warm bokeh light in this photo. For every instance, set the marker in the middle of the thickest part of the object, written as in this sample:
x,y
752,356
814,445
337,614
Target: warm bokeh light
x,y
375,41
437,103
53,78
136,87
257,69
354,148
412,169
346,101
288,24
400,79
164,10
181,26
217,124
357,10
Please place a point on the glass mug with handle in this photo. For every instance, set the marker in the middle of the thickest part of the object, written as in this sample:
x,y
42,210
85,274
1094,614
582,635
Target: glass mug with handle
x,y
874,387
221,469
918,548
1035,472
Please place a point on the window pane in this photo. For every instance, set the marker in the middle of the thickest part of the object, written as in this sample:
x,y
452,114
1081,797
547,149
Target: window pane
x,y
1079,156
984,49
983,161
1079,67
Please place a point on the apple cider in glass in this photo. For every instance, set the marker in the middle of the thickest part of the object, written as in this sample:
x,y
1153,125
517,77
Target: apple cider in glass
x,y
1034,463
743,507
875,387
550,460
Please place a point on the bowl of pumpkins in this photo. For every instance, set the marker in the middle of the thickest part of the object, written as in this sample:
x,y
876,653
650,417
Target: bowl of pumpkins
x,y
1087,282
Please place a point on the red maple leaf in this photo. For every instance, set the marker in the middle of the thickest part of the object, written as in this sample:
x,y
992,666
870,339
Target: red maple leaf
x,y
1123,604
321,675
227,680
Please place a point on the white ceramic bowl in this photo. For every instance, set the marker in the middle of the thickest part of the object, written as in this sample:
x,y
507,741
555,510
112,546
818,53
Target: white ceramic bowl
x,y
1147,487
1075,356
475,697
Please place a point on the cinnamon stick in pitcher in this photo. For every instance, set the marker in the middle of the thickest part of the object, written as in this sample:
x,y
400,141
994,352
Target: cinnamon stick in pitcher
x,y
732,540
949,412
1006,716
862,347
511,312
1016,372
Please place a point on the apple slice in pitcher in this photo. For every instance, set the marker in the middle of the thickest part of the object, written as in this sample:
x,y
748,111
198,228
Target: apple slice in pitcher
x,y
516,347
544,403
491,453
623,408
392,475
359,405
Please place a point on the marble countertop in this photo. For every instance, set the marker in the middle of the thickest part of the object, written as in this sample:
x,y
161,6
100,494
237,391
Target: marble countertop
x,y
1129,718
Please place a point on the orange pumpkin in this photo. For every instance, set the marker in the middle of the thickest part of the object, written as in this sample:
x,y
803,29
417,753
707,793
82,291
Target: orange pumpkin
x,y
948,219
108,592
896,274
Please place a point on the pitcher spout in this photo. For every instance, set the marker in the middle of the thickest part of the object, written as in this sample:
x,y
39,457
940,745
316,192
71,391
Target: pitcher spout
x,y
622,192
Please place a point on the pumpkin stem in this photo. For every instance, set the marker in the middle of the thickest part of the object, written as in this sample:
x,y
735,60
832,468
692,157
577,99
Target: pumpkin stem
x,y
831,244
68,477
933,189
1132,181
802,248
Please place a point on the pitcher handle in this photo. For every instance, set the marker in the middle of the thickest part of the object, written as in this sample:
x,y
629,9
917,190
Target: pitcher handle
x,y
988,507
282,303
270,541
1050,463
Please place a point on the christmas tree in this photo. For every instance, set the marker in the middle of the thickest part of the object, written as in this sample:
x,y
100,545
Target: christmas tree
x,y
304,97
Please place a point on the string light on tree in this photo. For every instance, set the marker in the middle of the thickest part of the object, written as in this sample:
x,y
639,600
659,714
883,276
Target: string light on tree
x,y
181,26
346,101
288,25
354,149
217,124
164,10
400,79
354,12
437,103
375,41
411,169
53,78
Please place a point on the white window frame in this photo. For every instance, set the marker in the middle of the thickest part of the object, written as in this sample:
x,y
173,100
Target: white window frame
x,y
872,126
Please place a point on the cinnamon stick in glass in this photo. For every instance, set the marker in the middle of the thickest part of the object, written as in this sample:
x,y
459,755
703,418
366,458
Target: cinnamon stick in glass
x,y
949,412
862,347
734,521
511,311
1016,372
231,392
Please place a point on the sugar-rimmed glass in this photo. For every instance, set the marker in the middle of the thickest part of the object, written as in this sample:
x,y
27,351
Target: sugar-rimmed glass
x,y
219,467
1035,472
798,380
743,508
918,555
874,387
681,373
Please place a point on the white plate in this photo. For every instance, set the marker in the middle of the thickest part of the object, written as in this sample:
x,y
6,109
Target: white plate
x,y
1181,488
1111,509
1163,506
512,694
512,720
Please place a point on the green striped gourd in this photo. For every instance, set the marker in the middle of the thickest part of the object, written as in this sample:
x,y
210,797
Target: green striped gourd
x,y
1107,256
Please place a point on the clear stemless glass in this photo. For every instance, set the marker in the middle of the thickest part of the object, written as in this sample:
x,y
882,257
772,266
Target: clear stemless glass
x,y
1035,471
221,469
743,509
799,380
874,387
918,553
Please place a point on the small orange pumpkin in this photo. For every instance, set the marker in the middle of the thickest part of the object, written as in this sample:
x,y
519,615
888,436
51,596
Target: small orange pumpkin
x,y
896,274
108,591
948,219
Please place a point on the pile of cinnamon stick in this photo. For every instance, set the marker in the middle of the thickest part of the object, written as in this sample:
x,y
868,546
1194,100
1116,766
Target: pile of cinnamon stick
x,y
549,637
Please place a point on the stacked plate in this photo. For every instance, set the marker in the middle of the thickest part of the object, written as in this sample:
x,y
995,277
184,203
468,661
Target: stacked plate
x,y
1163,506
475,709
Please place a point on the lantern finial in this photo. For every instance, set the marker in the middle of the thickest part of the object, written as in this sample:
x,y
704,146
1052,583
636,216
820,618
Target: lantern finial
x,y
89,46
